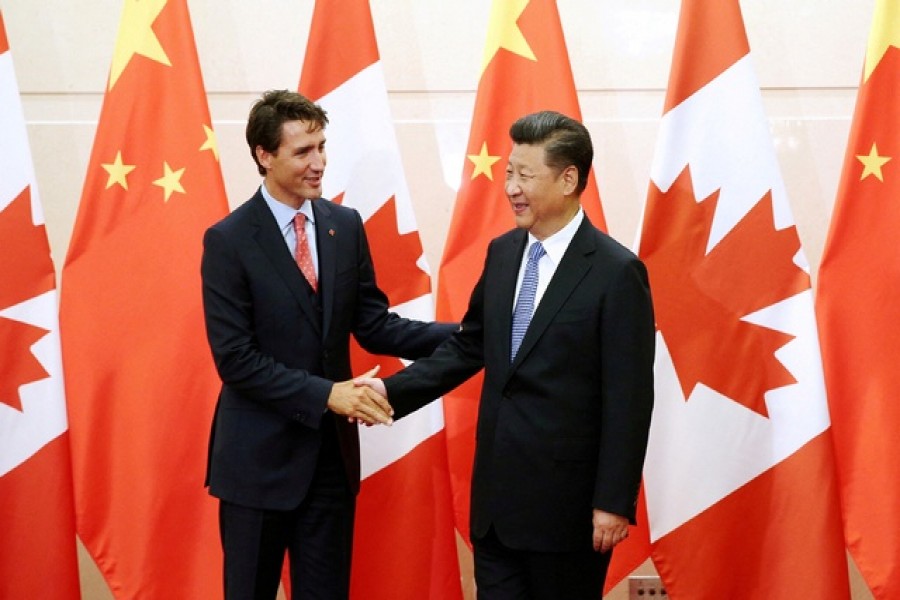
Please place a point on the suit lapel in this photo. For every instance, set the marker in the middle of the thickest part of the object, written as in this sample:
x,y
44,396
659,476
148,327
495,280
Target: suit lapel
x,y
571,270
326,244
509,260
271,241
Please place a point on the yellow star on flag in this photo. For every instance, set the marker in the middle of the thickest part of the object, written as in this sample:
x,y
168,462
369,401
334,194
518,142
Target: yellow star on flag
x,y
211,143
117,172
872,163
504,32
483,162
884,33
170,181
136,36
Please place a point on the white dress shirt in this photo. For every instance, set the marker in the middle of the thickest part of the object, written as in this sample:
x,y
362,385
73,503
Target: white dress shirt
x,y
554,246
284,216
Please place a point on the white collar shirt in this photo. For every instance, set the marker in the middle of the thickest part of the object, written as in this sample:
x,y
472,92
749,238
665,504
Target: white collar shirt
x,y
554,246
284,217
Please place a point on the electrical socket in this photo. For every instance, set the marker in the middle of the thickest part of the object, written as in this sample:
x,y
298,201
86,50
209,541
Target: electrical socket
x,y
646,587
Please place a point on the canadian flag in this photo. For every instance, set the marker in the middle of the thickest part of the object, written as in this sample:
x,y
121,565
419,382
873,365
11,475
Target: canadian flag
x,y
739,475
404,543
37,510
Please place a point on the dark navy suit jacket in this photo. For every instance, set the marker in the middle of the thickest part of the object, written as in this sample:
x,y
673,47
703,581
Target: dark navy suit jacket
x,y
279,347
562,429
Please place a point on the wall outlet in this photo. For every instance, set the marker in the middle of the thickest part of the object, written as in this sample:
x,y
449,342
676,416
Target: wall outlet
x,y
646,587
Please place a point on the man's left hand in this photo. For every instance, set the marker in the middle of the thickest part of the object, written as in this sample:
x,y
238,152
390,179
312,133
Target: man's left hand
x,y
609,530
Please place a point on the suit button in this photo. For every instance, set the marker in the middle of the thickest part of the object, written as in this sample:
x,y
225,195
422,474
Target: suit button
x,y
300,416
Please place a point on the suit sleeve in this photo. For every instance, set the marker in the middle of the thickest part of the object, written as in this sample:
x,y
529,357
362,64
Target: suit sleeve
x,y
241,364
380,331
628,336
452,363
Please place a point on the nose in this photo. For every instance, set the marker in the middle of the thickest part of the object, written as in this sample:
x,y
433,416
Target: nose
x,y
512,187
317,160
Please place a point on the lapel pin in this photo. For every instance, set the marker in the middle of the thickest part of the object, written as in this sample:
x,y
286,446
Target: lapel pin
x,y
331,232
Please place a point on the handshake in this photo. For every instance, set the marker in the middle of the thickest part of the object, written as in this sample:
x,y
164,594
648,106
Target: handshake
x,y
362,399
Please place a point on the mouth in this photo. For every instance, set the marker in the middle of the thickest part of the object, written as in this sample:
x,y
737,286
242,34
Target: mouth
x,y
519,207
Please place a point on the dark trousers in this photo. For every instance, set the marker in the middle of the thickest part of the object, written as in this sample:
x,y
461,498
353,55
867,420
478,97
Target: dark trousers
x,y
503,573
317,535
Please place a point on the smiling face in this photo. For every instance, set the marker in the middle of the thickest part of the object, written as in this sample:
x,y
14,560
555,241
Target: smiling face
x,y
294,171
542,198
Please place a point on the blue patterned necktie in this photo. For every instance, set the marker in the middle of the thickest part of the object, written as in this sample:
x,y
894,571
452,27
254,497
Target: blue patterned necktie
x,y
525,301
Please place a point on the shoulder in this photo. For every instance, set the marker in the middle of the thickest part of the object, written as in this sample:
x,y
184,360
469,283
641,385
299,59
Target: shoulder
x,y
603,245
245,214
333,210
511,240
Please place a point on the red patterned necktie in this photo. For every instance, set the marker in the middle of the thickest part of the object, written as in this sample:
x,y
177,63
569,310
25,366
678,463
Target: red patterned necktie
x,y
303,256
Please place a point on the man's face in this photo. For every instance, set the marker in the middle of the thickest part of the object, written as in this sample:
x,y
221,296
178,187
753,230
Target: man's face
x,y
294,171
540,196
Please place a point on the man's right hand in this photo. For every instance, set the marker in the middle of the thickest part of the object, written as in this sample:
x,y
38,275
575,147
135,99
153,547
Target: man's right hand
x,y
376,384
360,403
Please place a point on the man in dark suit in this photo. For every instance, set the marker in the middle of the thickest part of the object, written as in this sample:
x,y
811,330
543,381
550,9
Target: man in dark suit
x,y
282,293
566,401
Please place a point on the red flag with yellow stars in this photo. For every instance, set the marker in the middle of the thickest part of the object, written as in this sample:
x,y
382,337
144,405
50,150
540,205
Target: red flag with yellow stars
x,y
858,287
525,69
141,382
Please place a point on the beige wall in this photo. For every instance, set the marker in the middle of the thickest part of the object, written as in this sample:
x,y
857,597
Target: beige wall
x,y
808,55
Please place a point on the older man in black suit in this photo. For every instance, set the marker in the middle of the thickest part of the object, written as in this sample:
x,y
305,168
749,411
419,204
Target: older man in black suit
x,y
561,320
287,277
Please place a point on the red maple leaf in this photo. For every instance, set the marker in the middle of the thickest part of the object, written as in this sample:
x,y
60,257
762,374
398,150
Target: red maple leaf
x,y
700,298
25,265
19,366
395,256
26,271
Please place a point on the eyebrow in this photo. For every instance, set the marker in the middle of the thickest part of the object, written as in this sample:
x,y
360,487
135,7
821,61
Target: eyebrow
x,y
309,147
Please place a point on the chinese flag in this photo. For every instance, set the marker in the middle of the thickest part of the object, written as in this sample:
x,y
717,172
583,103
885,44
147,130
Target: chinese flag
x,y
858,287
739,477
404,545
37,510
141,383
525,69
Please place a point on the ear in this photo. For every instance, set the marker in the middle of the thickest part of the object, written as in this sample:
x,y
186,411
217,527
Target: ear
x,y
570,179
263,156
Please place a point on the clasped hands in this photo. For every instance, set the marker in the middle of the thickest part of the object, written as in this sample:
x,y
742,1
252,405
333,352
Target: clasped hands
x,y
362,400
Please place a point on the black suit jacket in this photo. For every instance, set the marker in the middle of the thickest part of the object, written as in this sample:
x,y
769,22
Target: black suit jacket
x,y
279,347
563,428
